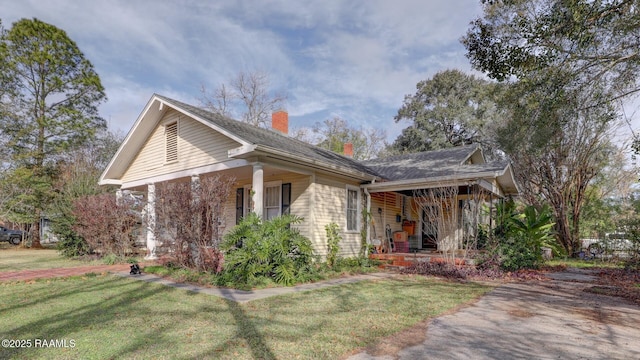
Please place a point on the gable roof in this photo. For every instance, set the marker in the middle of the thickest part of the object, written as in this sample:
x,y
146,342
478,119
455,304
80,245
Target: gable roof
x,y
272,141
418,169
254,141
437,167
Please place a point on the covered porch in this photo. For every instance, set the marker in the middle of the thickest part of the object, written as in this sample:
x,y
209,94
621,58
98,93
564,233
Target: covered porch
x,y
431,218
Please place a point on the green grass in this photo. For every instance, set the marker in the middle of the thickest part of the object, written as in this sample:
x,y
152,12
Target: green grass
x,y
112,317
13,259
16,258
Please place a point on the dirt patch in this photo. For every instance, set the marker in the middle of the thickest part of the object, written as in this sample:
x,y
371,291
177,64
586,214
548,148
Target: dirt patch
x,y
520,313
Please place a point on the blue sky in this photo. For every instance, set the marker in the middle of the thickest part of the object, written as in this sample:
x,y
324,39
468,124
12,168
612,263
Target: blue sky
x,y
353,59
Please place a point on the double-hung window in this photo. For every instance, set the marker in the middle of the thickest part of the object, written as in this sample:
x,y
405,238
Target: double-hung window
x,y
353,199
276,200
272,200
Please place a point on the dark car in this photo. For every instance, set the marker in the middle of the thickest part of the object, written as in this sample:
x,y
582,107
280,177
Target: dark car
x,y
12,236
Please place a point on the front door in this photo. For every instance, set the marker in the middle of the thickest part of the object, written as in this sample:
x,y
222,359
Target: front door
x,y
430,227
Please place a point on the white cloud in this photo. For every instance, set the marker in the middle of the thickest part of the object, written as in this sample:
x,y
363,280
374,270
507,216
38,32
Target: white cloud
x,y
355,58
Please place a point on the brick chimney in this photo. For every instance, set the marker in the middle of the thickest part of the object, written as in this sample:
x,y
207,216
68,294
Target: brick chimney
x,y
348,149
280,121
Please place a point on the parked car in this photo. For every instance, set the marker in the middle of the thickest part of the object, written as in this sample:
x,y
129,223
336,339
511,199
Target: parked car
x,y
12,236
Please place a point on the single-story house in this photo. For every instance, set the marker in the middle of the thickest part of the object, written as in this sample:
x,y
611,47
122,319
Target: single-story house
x,y
174,141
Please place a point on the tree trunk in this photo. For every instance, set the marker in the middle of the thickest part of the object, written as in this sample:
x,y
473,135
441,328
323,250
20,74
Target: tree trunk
x,y
564,231
35,233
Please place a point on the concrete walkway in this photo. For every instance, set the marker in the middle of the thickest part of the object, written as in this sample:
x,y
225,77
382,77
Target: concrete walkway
x,y
554,319
240,296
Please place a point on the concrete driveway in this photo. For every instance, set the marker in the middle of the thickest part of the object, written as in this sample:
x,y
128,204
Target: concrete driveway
x,y
553,319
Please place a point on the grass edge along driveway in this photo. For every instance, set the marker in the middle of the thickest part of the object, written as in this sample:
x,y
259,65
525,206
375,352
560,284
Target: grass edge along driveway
x,y
108,316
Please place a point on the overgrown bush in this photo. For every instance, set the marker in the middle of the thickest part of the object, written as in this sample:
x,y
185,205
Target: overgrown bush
x,y
517,242
333,241
273,249
190,220
106,225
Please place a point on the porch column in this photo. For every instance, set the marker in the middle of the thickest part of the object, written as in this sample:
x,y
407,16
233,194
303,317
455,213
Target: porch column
x,y
257,187
367,219
151,222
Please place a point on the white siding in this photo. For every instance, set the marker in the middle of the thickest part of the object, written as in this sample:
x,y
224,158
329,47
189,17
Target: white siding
x,y
198,145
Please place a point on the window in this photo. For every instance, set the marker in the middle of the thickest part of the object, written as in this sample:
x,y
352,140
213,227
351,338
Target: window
x,y
171,142
353,195
277,200
272,200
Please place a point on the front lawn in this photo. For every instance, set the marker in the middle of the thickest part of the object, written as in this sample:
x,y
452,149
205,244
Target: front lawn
x,y
111,317
16,258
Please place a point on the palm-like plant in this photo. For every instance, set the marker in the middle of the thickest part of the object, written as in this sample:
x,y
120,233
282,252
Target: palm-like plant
x,y
267,249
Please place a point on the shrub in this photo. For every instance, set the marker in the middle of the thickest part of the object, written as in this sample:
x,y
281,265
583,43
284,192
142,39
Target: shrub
x,y
106,225
190,220
256,249
517,241
516,253
72,245
333,241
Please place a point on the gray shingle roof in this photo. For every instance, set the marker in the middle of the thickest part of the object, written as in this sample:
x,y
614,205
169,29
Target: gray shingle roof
x,y
427,164
271,138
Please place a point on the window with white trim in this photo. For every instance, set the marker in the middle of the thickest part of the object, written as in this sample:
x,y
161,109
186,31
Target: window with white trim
x,y
171,142
272,200
277,200
353,199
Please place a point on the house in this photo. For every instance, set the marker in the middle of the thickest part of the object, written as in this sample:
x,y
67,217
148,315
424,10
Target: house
x,y
275,174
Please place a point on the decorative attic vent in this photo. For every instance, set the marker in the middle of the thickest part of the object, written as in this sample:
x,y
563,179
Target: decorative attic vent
x,y
171,141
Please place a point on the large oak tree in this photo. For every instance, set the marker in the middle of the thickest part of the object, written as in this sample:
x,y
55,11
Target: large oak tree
x,y
567,62
450,109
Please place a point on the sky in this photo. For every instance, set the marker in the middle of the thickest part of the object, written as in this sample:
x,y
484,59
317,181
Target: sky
x,y
355,59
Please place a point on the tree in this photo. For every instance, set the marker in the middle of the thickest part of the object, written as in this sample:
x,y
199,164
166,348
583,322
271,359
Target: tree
x,y
247,96
568,61
334,133
594,41
450,109
608,197
558,147
49,105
